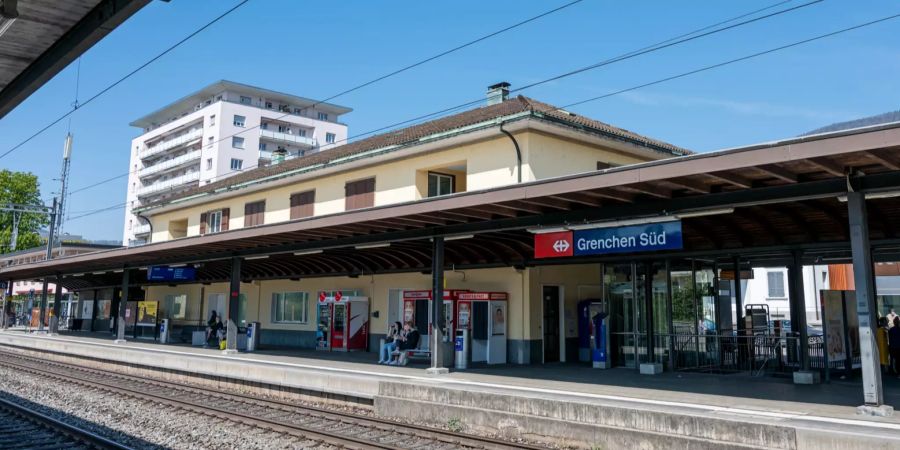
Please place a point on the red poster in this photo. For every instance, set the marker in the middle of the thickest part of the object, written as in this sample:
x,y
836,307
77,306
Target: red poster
x,y
553,245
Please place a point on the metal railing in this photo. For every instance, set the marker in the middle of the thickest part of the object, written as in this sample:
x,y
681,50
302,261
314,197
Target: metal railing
x,y
141,229
289,138
184,139
168,184
168,164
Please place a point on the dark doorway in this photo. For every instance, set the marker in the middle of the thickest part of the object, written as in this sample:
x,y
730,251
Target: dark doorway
x,y
551,324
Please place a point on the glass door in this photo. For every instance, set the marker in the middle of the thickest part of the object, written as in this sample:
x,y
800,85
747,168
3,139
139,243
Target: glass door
x,y
618,287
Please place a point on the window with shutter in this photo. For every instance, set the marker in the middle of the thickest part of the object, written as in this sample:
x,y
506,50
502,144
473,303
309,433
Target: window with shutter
x,y
359,194
254,213
303,204
203,218
226,212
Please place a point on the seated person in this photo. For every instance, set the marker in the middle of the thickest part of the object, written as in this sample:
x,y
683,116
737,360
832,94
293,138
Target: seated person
x,y
390,343
408,342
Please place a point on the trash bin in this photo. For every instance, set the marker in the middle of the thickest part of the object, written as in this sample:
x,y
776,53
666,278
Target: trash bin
x,y
461,347
253,336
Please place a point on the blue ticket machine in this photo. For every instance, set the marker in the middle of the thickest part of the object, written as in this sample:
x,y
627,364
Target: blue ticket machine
x,y
593,333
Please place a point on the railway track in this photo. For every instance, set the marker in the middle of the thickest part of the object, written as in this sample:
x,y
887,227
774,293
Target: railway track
x,y
25,428
318,426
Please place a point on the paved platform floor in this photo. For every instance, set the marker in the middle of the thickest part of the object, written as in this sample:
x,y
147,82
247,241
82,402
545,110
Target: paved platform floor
x,y
736,393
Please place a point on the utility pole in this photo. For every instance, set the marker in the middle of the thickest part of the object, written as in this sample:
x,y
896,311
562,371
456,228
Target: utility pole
x,y
50,237
64,177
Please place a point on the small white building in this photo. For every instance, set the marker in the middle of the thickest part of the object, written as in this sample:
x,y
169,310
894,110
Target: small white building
x,y
216,132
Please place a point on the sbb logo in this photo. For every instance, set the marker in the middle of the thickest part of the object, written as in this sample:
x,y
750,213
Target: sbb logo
x,y
553,245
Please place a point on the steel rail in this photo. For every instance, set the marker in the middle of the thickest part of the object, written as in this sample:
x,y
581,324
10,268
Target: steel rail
x,y
77,434
442,437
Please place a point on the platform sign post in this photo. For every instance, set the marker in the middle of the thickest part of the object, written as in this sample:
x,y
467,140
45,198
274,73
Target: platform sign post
x,y
864,277
437,310
231,332
57,305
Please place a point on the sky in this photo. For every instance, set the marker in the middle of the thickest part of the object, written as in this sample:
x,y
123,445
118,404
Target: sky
x,y
317,49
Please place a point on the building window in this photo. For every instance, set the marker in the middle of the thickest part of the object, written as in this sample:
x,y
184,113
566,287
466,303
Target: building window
x,y
176,306
298,111
303,204
323,116
264,126
329,138
776,284
290,307
246,100
262,146
212,120
440,184
359,194
237,164
209,142
268,105
213,222
254,213
239,121
237,142
208,163
301,132
284,129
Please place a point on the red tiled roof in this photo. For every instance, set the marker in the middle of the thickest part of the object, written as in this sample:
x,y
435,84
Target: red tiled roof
x,y
412,134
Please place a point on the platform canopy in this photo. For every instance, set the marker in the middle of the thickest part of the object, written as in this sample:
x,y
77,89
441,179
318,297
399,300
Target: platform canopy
x,y
761,201
38,38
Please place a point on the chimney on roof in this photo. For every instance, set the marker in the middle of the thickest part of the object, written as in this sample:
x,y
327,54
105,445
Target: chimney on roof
x,y
497,93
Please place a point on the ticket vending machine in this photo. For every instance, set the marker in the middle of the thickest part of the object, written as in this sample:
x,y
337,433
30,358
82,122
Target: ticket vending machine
x,y
484,314
417,309
342,322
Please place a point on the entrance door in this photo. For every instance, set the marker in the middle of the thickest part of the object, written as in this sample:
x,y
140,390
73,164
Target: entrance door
x,y
216,302
551,323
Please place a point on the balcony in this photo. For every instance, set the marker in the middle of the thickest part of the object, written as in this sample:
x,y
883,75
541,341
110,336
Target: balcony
x,y
141,230
168,184
185,139
170,164
302,141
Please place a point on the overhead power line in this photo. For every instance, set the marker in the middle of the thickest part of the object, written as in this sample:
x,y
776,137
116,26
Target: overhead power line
x,y
681,38
120,80
685,74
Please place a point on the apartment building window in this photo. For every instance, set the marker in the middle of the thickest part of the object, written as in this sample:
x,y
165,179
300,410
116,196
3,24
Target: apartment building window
x,y
254,213
298,111
440,184
209,142
268,105
237,164
212,120
262,146
290,307
329,138
264,126
303,204
301,132
246,100
208,163
237,142
775,279
323,116
214,221
284,129
359,194
239,121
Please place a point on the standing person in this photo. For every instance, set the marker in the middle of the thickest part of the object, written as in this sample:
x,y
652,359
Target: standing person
x,y
390,343
211,328
894,344
881,340
890,317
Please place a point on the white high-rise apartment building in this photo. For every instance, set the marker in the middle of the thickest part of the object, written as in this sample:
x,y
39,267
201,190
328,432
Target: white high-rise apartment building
x,y
219,131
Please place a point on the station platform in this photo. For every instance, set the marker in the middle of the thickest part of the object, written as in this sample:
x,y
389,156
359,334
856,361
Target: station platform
x,y
563,402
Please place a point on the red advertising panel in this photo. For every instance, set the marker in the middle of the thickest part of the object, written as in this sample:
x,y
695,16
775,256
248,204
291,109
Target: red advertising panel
x,y
553,245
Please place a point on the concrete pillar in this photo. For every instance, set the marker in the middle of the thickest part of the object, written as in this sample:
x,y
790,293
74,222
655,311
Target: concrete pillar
x,y
231,331
7,296
44,306
57,305
437,309
738,298
864,279
120,311
798,305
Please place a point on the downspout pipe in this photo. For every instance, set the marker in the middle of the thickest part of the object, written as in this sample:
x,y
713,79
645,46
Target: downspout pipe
x,y
149,223
518,151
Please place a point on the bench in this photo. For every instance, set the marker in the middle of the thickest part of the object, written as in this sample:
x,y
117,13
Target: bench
x,y
421,352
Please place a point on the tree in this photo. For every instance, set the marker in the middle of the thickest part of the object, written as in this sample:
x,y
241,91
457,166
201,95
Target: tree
x,y
20,188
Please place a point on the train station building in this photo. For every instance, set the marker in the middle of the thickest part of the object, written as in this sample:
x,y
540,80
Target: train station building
x,y
547,236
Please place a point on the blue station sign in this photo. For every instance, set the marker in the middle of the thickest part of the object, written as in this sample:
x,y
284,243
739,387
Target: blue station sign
x,y
610,240
166,273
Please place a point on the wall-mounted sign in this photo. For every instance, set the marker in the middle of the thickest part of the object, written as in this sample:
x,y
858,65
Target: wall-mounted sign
x,y
166,273
602,241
